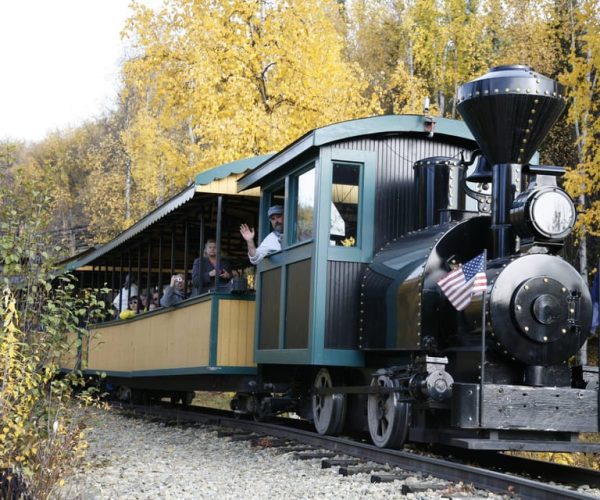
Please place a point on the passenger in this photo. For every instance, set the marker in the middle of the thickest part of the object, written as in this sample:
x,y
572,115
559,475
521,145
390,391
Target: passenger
x,y
206,281
175,292
132,310
143,307
155,302
134,304
129,290
272,243
145,300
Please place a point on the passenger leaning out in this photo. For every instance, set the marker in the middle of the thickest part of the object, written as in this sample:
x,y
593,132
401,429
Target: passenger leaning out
x,y
175,292
272,243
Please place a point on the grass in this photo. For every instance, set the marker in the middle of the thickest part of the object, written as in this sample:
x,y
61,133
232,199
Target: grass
x,y
218,400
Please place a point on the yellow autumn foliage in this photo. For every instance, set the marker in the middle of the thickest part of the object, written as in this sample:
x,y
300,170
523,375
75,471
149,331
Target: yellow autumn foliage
x,y
583,180
215,81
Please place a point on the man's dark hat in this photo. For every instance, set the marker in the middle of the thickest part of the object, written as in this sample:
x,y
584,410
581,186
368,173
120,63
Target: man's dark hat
x,y
275,210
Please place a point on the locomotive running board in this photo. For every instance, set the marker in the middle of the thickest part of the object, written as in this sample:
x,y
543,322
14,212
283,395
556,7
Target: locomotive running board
x,y
516,445
499,441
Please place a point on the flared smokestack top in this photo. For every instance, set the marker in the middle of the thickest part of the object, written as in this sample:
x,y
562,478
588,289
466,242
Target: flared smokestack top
x,y
510,111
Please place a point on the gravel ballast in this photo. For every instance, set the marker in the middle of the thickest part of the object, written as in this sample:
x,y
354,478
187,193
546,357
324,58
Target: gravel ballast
x,y
131,458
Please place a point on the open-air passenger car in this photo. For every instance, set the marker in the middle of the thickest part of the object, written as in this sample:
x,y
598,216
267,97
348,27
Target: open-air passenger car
x,y
165,350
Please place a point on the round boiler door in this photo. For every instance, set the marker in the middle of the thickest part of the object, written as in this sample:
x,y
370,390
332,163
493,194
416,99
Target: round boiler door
x,y
540,308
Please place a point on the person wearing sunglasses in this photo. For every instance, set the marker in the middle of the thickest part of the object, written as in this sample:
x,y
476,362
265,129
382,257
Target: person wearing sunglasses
x,y
132,308
129,290
175,292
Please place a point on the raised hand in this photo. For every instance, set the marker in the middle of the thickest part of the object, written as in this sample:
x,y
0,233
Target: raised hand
x,y
246,232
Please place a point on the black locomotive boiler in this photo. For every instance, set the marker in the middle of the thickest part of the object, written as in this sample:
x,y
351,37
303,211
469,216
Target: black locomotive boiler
x,y
506,382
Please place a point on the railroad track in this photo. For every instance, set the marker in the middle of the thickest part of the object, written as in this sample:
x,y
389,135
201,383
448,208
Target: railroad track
x,y
495,472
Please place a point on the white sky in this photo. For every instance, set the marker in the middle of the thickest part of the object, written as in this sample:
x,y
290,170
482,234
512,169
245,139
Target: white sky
x,y
59,63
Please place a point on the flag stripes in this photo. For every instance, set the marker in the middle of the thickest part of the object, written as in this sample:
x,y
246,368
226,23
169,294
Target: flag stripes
x,y
460,285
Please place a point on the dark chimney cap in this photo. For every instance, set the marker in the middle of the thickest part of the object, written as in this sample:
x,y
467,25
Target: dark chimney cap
x,y
510,110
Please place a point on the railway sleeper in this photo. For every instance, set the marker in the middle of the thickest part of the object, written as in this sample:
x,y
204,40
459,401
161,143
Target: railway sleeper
x,y
314,455
343,462
270,442
421,487
362,469
390,478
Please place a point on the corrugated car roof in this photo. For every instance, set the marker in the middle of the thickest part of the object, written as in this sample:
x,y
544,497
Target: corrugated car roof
x,y
202,179
353,128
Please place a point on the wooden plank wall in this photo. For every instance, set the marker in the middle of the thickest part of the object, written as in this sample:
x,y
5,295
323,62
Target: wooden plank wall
x,y
179,338
236,333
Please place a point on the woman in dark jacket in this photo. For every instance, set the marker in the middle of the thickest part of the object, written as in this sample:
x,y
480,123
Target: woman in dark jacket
x,y
205,281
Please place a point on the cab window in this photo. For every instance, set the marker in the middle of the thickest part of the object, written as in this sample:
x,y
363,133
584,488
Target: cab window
x,y
304,207
345,221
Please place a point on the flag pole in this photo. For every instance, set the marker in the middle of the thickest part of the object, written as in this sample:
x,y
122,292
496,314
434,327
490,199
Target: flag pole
x,y
482,371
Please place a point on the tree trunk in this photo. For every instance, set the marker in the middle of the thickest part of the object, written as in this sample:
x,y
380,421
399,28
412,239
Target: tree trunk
x,y
127,189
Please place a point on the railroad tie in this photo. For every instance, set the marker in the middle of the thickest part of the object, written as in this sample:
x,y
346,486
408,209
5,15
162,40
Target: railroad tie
x,y
422,487
288,449
346,462
236,435
226,433
362,469
244,437
316,454
390,478
271,442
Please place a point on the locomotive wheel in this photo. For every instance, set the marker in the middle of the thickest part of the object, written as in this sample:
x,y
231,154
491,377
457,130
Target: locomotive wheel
x,y
329,411
261,413
387,415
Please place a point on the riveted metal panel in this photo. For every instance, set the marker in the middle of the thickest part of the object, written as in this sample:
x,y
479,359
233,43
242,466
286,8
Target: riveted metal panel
x,y
343,304
394,192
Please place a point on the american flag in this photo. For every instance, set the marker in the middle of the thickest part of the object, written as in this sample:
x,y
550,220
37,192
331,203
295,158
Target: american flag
x,y
460,285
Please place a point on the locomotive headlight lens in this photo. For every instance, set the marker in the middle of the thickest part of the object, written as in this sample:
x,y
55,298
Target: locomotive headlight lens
x,y
553,213
548,213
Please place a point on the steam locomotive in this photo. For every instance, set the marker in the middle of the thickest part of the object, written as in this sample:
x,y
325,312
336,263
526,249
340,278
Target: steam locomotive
x,y
348,326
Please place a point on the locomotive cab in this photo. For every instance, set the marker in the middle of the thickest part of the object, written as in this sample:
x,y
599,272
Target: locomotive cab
x,y
347,190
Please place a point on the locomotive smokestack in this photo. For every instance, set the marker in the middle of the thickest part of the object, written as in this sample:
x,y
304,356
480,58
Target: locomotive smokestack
x,y
509,112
